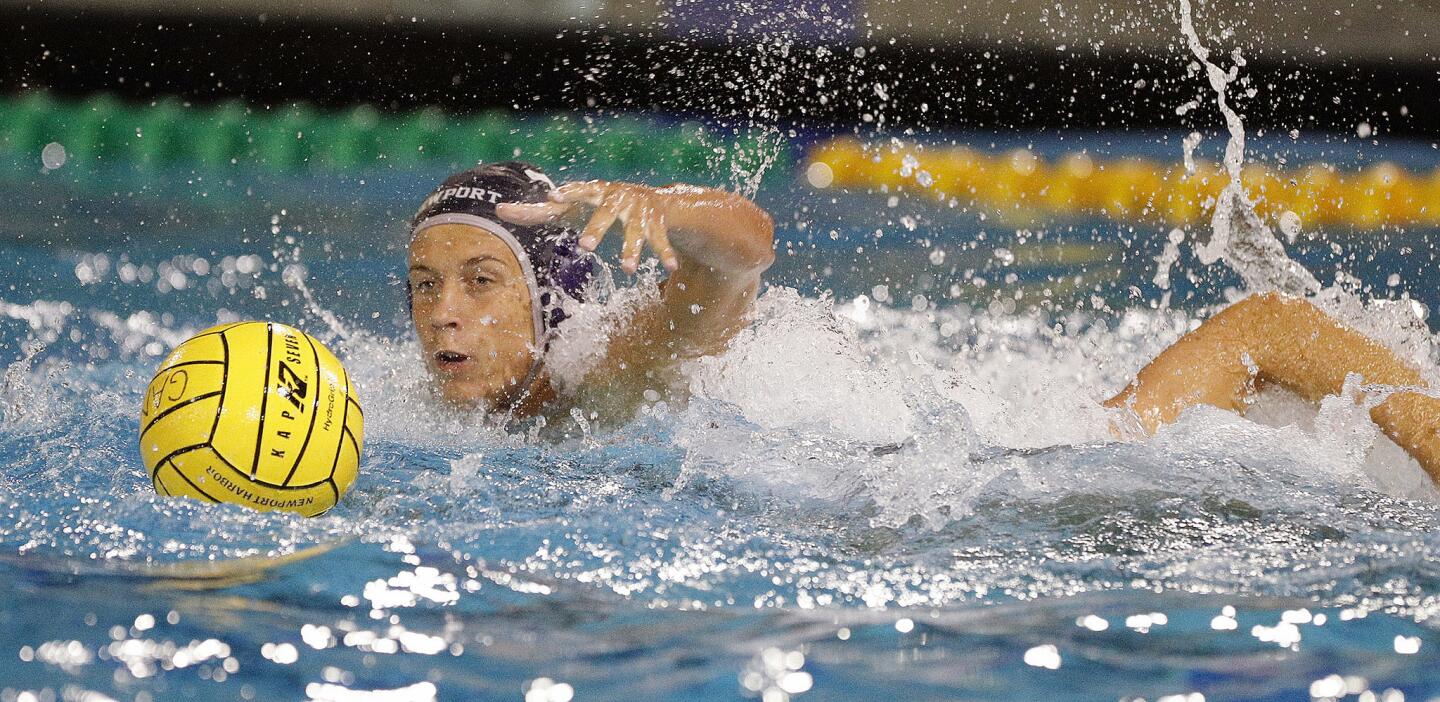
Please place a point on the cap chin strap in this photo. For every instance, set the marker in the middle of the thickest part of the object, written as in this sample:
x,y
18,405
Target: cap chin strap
x,y
529,381
532,283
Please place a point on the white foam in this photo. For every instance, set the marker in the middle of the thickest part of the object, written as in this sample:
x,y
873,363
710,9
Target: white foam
x,y
803,401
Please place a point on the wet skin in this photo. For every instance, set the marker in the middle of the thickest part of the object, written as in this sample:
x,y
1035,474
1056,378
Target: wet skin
x,y
472,314
1273,338
472,307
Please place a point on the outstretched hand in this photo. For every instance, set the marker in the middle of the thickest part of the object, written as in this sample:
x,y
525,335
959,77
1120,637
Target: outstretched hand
x,y
640,210
724,241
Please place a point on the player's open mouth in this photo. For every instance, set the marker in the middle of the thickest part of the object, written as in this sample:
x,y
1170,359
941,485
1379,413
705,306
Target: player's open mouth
x,y
450,360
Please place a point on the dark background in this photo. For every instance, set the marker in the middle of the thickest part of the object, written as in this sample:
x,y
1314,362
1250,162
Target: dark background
x,y
763,67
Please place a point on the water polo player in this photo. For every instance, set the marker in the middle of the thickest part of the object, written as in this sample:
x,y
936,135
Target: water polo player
x,y
492,266
494,261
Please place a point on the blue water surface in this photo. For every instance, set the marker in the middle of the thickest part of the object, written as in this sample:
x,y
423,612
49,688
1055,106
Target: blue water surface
x,y
914,501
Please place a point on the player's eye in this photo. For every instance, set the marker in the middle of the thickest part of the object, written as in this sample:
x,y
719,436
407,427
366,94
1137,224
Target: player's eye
x,y
423,286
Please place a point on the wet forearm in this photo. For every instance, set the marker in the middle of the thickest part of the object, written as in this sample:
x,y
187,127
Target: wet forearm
x,y
720,230
1277,339
725,242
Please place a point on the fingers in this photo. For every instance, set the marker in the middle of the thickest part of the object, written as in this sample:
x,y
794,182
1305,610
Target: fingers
x,y
564,201
530,214
611,207
634,238
646,224
631,205
590,192
659,237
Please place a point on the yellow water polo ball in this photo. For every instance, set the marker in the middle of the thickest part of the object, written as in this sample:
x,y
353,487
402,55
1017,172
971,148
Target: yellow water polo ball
x,y
258,414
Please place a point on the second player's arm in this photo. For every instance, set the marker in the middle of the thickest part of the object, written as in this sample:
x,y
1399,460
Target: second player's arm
x,y
1273,338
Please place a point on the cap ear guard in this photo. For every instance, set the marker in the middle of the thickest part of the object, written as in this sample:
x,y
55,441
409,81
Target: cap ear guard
x,y
570,281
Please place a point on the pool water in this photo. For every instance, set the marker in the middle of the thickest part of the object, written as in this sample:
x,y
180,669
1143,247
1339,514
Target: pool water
x,y
888,486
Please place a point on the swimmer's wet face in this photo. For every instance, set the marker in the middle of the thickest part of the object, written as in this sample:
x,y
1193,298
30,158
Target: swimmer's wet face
x,y
471,306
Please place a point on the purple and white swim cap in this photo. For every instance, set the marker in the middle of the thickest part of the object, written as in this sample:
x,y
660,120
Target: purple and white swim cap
x,y
556,268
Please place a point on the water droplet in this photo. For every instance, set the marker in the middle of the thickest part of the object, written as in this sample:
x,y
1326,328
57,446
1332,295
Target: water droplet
x,y
53,155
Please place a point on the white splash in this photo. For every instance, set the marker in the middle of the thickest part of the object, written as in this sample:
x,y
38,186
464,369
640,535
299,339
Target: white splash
x,y
1241,239
1238,236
